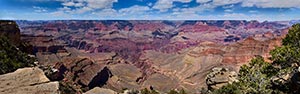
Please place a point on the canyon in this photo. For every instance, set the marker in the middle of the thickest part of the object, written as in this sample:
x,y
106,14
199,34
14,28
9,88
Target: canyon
x,y
137,54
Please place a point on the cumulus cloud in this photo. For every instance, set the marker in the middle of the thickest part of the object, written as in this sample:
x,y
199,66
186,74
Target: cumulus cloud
x,y
39,9
82,6
202,1
133,12
272,3
100,4
225,2
165,5
79,4
135,9
106,13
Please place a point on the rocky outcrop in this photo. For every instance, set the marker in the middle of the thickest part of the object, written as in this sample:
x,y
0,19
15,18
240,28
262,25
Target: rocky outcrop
x,y
84,72
98,90
289,78
27,81
220,77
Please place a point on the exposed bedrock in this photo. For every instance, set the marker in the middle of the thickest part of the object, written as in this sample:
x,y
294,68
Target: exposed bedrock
x,y
86,73
27,81
220,77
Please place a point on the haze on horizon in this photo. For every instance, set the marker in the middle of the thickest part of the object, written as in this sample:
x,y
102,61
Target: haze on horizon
x,y
271,10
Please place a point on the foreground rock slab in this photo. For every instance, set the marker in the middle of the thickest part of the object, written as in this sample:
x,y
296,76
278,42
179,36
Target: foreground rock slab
x,y
98,90
27,81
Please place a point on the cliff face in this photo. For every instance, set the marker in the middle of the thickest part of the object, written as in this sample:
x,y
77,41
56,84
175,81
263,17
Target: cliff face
x,y
11,30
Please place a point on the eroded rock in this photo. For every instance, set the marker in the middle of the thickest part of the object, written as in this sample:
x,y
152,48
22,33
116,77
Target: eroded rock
x,y
124,76
85,72
220,77
27,81
98,90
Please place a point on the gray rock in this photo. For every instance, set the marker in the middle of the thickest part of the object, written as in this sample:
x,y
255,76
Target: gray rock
x,y
220,77
98,90
27,81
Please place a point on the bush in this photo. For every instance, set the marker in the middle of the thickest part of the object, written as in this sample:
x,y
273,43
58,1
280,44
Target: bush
x,y
253,78
146,91
11,58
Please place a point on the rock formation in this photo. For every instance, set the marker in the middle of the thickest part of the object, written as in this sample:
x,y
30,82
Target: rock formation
x,y
27,81
98,90
220,77
86,73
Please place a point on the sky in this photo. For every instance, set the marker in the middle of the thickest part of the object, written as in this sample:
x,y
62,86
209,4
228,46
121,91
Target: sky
x,y
261,10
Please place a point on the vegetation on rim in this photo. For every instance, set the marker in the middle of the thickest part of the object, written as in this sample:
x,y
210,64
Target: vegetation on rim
x,y
256,78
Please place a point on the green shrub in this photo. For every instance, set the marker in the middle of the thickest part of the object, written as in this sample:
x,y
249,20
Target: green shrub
x,y
146,91
11,58
253,79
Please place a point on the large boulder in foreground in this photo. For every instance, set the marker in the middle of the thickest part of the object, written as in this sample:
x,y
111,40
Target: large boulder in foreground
x,y
27,81
98,90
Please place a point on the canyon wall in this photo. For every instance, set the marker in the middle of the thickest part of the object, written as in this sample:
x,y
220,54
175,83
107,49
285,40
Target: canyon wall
x,y
160,55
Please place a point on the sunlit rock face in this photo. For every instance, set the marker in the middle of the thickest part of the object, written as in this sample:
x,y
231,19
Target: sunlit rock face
x,y
160,55
27,81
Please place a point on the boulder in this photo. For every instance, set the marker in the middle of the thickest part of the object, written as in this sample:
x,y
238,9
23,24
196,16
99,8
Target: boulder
x,y
220,77
27,81
98,90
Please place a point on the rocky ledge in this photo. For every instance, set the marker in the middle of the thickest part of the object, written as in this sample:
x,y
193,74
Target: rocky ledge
x,y
27,81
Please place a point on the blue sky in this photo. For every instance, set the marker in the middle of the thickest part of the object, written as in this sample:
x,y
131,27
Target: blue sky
x,y
271,10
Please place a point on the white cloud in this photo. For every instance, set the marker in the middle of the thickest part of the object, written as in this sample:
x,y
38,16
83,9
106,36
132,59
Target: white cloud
x,y
253,11
39,9
202,1
100,4
103,9
228,10
106,13
135,10
225,2
257,3
195,10
228,6
83,6
272,3
80,4
83,10
165,5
